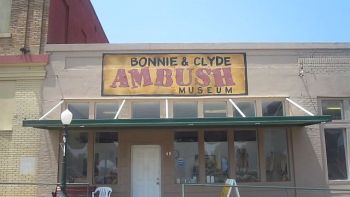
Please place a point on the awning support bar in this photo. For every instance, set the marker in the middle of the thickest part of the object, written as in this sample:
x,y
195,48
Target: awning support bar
x,y
166,108
119,110
300,107
57,105
237,108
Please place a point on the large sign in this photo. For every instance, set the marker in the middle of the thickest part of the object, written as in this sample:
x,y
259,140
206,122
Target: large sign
x,y
174,74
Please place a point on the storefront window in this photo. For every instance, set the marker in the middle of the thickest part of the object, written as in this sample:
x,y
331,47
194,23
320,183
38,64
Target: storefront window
x,y
79,110
216,156
106,110
272,108
276,154
106,158
146,110
333,108
248,109
186,157
185,110
77,150
336,149
246,151
214,109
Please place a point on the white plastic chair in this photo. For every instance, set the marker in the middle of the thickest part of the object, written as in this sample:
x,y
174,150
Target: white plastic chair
x,y
103,192
227,190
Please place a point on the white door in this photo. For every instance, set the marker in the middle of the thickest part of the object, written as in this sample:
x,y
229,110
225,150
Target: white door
x,y
145,171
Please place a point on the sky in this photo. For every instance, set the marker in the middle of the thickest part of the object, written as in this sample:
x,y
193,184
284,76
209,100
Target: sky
x,y
207,21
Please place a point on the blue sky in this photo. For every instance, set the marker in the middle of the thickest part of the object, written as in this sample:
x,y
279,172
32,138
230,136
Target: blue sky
x,y
195,21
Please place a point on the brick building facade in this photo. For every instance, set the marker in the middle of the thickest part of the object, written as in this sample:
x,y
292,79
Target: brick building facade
x,y
24,31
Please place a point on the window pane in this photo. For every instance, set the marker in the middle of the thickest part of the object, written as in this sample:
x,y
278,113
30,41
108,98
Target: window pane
x,y
146,110
276,154
77,157
186,157
5,15
215,109
106,158
216,156
272,108
333,108
106,110
185,110
246,150
79,110
248,108
336,158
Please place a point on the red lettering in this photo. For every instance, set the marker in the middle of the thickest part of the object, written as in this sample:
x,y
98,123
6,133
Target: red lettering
x,y
219,78
137,76
180,77
203,74
121,78
164,77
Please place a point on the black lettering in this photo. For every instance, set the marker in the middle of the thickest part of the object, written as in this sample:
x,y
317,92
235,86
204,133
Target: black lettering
x,y
203,62
227,61
218,89
142,61
219,60
209,90
161,61
133,61
173,61
195,61
152,61
228,90
190,90
200,90
182,90
211,60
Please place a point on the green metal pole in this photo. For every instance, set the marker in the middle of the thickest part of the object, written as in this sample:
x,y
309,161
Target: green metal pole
x,y
64,163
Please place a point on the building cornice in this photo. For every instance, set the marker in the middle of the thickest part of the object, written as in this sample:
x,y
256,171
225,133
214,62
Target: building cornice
x,y
17,67
195,46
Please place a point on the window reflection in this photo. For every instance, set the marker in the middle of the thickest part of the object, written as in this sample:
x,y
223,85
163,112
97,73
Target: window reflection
x,y
77,148
246,151
106,110
79,110
272,108
186,157
276,154
146,110
216,156
185,110
248,109
336,158
214,109
333,108
106,158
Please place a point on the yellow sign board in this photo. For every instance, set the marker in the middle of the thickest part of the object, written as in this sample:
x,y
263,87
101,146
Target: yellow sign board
x,y
174,74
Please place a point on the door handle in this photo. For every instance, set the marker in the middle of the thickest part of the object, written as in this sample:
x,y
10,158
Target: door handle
x,y
157,183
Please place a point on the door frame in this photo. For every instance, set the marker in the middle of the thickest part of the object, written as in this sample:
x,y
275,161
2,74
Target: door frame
x,y
159,170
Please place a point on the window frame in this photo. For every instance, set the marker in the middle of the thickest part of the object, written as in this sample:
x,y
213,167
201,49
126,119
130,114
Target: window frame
x,y
261,161
336,124
7,33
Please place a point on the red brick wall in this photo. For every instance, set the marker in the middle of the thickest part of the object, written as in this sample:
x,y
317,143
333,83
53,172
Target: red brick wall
x,y
74,21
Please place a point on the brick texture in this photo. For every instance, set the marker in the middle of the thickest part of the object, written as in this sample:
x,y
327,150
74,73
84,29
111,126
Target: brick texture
x,y
21,142
30,33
